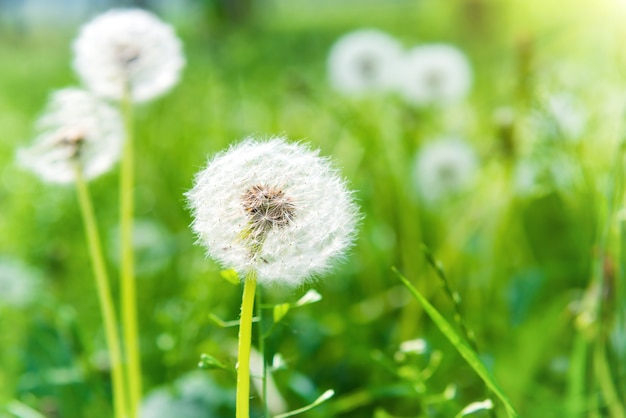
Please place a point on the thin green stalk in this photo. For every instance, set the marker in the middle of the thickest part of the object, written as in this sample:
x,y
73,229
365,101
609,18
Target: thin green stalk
x,y
104,296
262,351
453,295
245,341
128,287
461,346
605,381
576,402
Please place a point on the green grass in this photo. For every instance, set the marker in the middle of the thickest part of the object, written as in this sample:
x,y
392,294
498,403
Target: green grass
x,y
527,266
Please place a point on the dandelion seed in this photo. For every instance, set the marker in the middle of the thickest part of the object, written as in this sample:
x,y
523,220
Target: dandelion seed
x,y
76,128
362,61
273,207
435,74
19,285
128,48
443,168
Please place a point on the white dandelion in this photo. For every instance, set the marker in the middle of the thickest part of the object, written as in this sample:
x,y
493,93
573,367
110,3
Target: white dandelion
x,y
275,208
363,61
76,128
435,74
128,48
19,285
444,168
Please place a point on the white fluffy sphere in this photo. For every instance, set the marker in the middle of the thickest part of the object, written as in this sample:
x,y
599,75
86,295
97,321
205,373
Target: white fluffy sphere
x,y
128,47
275,208
75,128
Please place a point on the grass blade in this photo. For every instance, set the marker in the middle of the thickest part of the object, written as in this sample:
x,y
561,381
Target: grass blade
x,y
461,345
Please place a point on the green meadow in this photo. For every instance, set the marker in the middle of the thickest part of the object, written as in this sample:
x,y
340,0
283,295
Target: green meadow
x,y
526,264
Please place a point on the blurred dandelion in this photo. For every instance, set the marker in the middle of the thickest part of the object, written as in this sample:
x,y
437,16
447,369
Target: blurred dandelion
x,y
363,61
20,285
435,74
131,56
76,128
444,168
128,49
80,137
274,207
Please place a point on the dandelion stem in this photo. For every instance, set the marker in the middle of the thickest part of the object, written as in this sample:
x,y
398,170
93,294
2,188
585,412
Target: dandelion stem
x,y
245,340
104,296
262,348
605,382
128,288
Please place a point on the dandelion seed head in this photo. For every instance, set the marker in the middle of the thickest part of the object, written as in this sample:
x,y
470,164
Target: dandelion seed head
x,y
273,207
363,61
76,128
128,47
435,74
444,167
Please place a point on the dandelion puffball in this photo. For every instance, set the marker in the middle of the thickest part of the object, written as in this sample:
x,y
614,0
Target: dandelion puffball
x,y
76,129
274,208
364,60
435,74
443,168
128,48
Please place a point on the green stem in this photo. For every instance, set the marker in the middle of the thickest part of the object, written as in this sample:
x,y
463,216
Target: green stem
x,y
245,341
104,296
262,336
605,382
128,287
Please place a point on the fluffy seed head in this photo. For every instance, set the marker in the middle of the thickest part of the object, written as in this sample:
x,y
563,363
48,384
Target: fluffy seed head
x,y
443,168
128,47
363,61
76,128
273,207
435,75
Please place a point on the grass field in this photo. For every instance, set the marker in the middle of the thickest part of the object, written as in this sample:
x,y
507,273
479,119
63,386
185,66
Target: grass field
x,y
534,246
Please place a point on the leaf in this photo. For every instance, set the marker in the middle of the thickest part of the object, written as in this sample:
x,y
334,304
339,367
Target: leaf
x,y
309,297
227,324
207,361
323,398
461,346
475,407
230,276
280,311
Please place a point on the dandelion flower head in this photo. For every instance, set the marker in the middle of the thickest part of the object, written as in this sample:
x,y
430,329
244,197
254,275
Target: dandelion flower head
x,y
444,168
76,130
128,48
364,60
435,74
275,208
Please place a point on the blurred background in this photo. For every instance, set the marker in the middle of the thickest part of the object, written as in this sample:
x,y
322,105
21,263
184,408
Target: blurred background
x,y
533,243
